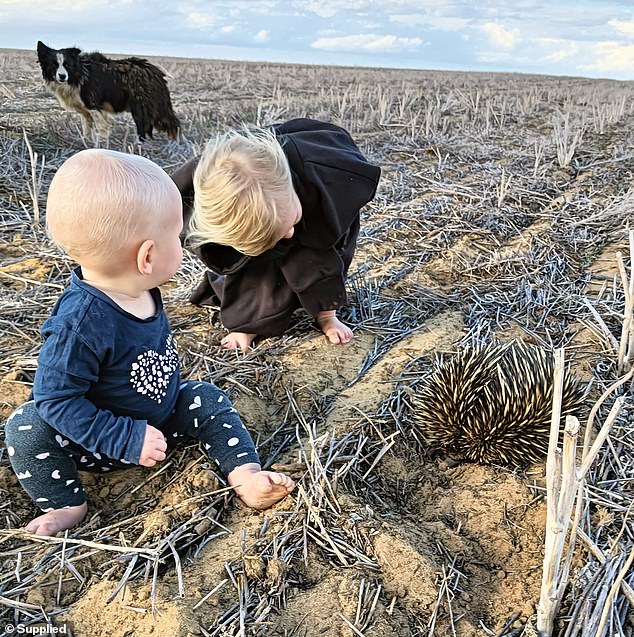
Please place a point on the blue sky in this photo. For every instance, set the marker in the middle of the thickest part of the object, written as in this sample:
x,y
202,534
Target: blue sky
x,y
577,37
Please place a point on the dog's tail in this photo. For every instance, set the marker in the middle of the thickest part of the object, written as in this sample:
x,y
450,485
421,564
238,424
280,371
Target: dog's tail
x,y
167,122
151,87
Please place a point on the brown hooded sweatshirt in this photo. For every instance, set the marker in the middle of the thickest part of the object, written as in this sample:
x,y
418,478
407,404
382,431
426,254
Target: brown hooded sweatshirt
x,y
333,181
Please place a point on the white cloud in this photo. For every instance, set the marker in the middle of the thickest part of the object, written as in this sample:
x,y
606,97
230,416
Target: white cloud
x,y
557,49
75,5
442,23
229,28
560,50
612,56
330,8
627,28
199,20
500,36
262,36
367,42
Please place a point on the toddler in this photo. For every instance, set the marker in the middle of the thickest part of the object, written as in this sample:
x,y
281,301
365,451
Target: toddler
x,y
274,215
107,392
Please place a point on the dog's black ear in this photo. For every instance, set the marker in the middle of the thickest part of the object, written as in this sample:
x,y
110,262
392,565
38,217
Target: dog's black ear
x,y
41,47
73,50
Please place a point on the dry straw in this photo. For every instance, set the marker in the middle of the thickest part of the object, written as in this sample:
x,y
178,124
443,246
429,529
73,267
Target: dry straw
x,y
626,343
565,482
566,477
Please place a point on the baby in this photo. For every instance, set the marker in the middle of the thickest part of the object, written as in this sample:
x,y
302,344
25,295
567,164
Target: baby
x,y
108,392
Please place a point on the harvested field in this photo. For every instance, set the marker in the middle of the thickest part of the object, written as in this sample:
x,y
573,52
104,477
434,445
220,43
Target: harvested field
x,y
503,204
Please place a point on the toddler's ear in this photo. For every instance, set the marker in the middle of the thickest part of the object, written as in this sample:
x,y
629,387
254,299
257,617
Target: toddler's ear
x,y
145,257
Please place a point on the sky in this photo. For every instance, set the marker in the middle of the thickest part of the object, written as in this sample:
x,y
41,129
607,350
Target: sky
x,y
589,38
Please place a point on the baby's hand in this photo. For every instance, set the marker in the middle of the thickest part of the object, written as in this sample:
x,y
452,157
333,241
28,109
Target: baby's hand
x,y
154,447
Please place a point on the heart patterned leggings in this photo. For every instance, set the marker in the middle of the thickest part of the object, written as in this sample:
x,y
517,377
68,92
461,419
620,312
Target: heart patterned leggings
x,y
47,464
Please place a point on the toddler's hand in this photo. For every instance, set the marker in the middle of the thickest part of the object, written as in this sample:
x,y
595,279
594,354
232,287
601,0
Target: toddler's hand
x,y
235,340
154,447
336,331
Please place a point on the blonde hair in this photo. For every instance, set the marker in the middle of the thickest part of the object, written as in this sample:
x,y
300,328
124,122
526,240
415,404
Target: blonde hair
x,y
242,186
101,202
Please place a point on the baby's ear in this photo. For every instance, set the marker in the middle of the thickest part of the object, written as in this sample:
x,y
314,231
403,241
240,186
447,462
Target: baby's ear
x,y
145,257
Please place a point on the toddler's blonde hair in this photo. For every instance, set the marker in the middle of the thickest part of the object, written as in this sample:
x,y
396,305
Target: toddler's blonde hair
x,y
102,202
242,186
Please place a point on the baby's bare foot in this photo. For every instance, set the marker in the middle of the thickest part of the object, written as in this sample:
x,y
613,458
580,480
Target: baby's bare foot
x,y
259,489
52,522
235,340
336,331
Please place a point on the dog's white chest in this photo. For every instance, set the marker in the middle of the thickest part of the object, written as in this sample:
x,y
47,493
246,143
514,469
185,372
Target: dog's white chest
x,y
68,96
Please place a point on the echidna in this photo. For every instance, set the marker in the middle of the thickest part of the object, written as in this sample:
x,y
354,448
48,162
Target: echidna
x,y
492,404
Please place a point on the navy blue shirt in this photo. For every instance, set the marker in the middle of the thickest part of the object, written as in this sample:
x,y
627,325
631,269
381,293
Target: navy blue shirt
x,y
103,374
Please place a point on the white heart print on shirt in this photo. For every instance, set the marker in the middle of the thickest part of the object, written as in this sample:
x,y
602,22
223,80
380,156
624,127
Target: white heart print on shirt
x,y
151,373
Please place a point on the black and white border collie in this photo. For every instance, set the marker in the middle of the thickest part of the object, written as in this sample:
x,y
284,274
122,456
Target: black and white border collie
x,y
95,86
